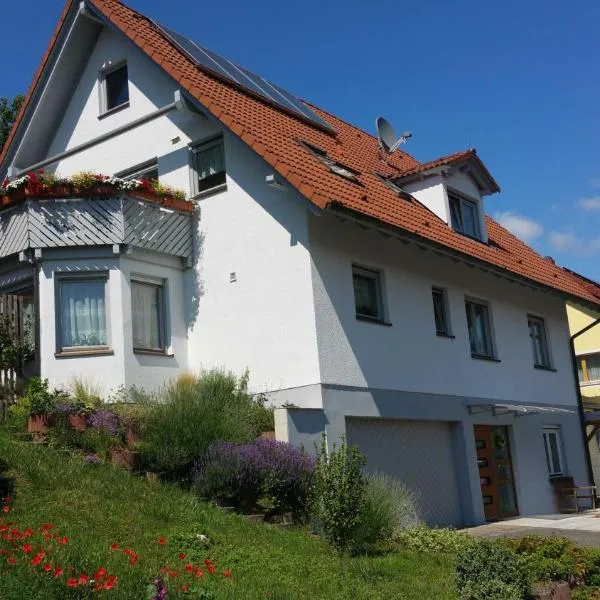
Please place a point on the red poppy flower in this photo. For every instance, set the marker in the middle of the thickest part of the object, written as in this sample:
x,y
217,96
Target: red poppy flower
x,y
83,579
98,587
6,509
28,533
184,588
133,560
182,556
27,548
208,562
173,574
3,527
72,582
227,573
161,540
64,540
99,574
110,583
47,526
164,569
114,546
198,573
128,552
7,499
189,568
37,559
58,571
11,561
47,567
211,569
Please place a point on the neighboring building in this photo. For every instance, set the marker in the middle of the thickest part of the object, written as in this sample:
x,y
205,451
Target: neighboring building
x,y
367,293
585,326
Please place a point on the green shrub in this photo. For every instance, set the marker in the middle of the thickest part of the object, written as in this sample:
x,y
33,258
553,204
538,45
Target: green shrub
x,y
486,570
18,414
388,509
338,495
41,401
193,412
434,541
586,593
86,395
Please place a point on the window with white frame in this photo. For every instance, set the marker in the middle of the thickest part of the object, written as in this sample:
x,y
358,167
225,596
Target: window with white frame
x,y
480,331
539,341
114,88
464,215
82,322
368,296
588,366
552,446
148,315
440,311
209,166
147,170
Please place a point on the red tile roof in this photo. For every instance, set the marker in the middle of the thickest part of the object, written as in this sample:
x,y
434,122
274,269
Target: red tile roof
x,y
274,135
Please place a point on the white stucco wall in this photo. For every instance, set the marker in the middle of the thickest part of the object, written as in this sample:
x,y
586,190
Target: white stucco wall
x,y
409,355
264,321
431,192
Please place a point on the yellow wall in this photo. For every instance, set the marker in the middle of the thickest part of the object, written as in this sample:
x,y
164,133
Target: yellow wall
x,y
588,342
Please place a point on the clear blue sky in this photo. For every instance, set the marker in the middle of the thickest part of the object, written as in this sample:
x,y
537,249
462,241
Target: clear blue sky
x,y
518,80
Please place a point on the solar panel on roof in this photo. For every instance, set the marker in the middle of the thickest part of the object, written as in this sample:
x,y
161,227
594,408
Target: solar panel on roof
x,y
255,84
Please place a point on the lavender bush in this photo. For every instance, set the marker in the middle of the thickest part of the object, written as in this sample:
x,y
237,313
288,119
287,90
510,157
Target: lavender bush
x,y
105,421
268,475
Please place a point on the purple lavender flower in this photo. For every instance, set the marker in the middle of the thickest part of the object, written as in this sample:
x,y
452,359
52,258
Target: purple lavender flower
x,y
92,459
105,420
161,589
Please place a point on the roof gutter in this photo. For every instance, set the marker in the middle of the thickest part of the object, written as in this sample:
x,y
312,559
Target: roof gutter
x,y
580,397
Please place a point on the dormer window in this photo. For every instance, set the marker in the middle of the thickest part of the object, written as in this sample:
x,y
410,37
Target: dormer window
x,y
114,88
464,215
334,166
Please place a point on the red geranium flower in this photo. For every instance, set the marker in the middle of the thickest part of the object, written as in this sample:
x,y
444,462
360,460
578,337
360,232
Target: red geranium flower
x,y
72,582
128,552
109,584
58,571
182,556
11,561
161,540
198,573
211,569
114,546
64,540
99,574
27,548
83,579
47,567
227,573
189,568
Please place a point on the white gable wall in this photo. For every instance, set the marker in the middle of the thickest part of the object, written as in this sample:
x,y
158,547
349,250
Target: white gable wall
x,y
265,321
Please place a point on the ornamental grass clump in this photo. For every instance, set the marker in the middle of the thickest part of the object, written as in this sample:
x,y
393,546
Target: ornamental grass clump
x,y
264,475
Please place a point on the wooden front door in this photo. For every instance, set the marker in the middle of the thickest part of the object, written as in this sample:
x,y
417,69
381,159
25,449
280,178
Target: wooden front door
x,y
495,472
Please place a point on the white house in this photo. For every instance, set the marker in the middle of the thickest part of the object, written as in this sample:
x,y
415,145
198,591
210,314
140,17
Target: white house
x,y
366,292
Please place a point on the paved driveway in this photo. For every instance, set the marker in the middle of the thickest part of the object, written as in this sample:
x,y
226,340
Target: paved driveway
x,y
584,528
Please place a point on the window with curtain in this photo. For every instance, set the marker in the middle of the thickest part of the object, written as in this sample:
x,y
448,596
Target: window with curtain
x,y
82,312
480,335
588,367
210,165
539,341
147,316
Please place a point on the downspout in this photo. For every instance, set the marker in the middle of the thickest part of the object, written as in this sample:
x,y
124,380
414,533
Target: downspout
x,y
580,397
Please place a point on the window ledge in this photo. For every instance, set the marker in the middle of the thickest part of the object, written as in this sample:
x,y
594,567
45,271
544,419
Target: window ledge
x,y
114,110
373,320
82,353
589,383
222,187
483,357
448,336
148,352
544,368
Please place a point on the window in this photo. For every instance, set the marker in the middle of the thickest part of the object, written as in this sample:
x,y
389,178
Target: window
x,y
334,166
367,293
147,170
480,335
553,450
464,216
209,166
114,88
82,319
588,366
147,307
539,342
440,311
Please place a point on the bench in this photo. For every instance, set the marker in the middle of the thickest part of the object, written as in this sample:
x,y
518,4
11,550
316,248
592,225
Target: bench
x,y
571,497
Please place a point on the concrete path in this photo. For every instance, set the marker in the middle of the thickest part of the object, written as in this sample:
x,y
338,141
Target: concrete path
x,y
584,528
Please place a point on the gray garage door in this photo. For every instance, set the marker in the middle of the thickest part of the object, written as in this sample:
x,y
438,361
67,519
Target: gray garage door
x,y
418,453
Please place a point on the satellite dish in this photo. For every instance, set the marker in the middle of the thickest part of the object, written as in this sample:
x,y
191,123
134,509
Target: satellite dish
x,y
388,139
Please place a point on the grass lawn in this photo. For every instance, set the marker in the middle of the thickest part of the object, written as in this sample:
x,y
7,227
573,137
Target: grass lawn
x,y
95,506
